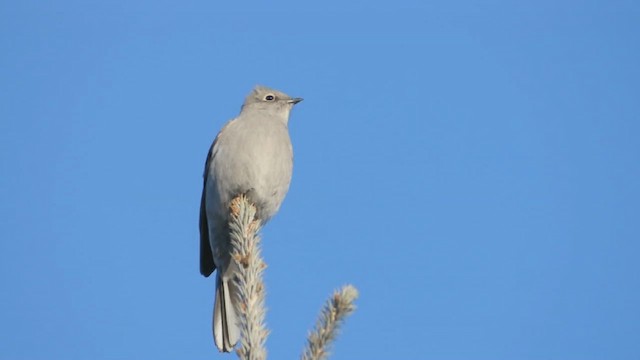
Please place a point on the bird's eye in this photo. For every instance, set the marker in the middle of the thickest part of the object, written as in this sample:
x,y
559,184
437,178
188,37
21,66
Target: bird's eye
x,y
269,97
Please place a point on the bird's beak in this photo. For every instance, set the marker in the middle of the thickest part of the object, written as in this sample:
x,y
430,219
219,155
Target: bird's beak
x,y
295,100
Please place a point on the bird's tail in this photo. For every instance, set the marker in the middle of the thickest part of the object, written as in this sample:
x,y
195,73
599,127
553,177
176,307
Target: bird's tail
x,y
226,331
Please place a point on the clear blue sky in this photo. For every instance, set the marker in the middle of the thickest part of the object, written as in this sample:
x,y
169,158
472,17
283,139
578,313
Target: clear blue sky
x,y
473,167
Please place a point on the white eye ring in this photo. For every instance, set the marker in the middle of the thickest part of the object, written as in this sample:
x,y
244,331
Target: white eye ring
x,y
269,97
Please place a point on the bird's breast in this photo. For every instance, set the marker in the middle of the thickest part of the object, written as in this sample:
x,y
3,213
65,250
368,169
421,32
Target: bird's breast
x,y
255,159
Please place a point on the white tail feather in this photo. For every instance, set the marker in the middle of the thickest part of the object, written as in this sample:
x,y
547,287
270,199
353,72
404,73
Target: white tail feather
x,y
226,332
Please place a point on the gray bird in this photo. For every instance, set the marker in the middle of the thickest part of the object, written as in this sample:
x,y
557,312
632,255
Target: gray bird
x,y
251,155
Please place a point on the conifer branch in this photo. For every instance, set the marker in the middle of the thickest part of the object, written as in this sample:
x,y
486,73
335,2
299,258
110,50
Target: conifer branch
x,y
333,314
245,241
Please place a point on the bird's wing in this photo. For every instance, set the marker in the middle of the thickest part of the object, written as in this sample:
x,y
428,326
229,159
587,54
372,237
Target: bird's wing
x,y
206,257
207,266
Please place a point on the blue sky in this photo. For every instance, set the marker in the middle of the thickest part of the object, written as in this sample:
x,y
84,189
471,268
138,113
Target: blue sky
x,y
472,167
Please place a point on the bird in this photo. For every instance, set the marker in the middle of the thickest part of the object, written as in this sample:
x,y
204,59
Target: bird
x,y
251,155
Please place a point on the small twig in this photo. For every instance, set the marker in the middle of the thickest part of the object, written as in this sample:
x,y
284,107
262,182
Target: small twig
x,y
333,314
246,252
